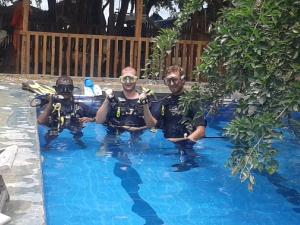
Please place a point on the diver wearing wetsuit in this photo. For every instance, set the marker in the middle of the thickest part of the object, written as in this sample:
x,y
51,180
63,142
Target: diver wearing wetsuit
x,y
183,130
62,112
175,125
123,111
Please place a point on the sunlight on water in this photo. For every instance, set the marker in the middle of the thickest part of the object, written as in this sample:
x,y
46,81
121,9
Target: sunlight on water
x,y
132,180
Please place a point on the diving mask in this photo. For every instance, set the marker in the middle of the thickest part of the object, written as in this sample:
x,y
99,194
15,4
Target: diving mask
x,y
128,79
173,80
61,88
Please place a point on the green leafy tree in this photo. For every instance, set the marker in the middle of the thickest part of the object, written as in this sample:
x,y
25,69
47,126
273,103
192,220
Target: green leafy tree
x,y
254,59
7,2
167,39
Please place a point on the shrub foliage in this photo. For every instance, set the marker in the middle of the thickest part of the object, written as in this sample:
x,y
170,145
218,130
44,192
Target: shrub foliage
x,y
253,58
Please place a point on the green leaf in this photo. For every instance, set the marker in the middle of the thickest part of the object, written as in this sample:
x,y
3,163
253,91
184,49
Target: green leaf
x,y
296,55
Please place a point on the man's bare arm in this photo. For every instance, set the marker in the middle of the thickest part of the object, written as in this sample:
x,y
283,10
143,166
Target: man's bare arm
x,y
149,119
44,116
102,111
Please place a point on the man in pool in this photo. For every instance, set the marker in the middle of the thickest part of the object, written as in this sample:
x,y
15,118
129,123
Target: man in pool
x,y
63,112
176,127
122,111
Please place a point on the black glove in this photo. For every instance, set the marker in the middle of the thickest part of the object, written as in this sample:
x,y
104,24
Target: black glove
x,y
144,96
110,95
143,99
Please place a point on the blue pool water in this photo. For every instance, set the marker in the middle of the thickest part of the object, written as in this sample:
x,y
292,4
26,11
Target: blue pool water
x,y
134,181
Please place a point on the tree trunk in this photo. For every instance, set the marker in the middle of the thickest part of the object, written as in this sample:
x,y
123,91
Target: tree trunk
x,y
102,21
82,11
111,18
52,10
132,3
121,16
148,6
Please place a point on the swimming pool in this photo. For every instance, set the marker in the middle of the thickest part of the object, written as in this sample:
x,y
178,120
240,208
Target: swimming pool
x,y
128,180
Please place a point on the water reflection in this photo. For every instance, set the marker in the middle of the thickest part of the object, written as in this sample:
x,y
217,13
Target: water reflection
x,y
290,194
130,179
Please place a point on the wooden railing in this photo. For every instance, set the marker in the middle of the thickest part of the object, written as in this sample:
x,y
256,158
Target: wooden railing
x,y
96,55
6,42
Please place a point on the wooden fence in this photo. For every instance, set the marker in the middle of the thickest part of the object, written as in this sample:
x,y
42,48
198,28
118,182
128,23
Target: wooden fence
x,y
82,55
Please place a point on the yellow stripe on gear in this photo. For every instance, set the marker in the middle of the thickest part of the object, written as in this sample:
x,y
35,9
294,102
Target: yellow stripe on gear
x,y
57,107
163,110
37,88
118,112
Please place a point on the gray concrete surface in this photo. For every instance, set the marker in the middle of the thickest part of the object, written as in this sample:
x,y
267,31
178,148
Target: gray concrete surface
x,y
24,181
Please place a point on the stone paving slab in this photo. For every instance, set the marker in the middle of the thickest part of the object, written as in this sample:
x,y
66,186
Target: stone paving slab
x,y
24,181
113,83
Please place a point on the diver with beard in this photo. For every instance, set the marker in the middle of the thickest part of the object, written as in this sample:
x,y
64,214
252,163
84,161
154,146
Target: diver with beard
x,y
182,129
62,112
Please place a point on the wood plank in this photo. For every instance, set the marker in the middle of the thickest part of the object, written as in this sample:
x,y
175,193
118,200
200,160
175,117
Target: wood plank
x,y
199,53
138,66
123,53
23,63
83,58
60,56
131,53
27,53
139,18
94,36
133,57
76,57
100,58
191,64
26,6
44,54
177,46
147,52
116,58
18,55
68,55
52,54
36,54
108,58
92,57
183,57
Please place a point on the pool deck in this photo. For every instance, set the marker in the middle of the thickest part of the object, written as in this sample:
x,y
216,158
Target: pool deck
x,y
24,181
18,126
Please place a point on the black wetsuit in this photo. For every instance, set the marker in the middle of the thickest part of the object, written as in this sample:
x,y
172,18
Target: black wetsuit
x,y
125,112
70,112
173,123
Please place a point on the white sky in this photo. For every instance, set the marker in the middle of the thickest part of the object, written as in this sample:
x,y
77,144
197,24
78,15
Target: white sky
x,y
163,13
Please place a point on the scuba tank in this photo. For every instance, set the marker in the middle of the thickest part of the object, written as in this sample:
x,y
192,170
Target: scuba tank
x,y
64,114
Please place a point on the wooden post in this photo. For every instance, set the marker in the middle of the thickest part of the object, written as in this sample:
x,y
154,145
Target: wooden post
x,y
138,33
138,18
24,59
26,6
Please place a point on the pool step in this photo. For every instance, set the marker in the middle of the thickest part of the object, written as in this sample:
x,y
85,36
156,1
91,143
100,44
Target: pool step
x,y
4,219
7,157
